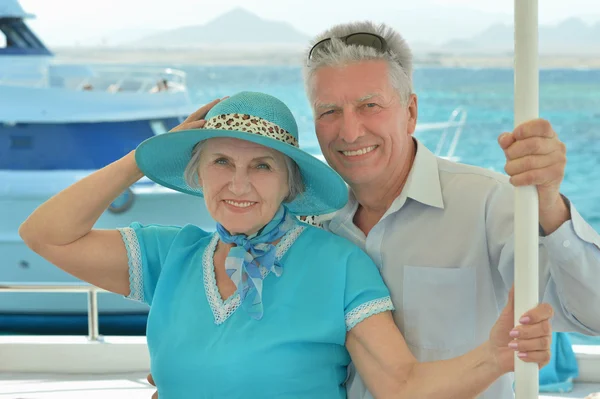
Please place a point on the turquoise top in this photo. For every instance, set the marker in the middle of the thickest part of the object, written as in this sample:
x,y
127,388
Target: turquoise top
x,y
204,347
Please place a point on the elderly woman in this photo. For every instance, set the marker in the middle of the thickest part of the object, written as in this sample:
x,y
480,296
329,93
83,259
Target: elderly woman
x,y
266,306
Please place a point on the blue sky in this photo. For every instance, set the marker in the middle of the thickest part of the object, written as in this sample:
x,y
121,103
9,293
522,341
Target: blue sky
x,y
419,20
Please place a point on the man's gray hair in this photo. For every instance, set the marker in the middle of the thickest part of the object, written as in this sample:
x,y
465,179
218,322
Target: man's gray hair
x,y
295,182
338,54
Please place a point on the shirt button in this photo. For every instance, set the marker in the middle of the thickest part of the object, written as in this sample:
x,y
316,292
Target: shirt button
x,y
566,243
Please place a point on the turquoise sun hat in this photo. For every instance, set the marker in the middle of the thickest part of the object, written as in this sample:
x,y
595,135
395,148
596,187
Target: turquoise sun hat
x,y
256,117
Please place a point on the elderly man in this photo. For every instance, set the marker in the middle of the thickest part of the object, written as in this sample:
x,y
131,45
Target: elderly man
x,y
441,232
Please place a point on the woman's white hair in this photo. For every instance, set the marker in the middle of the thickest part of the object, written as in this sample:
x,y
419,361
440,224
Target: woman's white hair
x,y
295,182
338,54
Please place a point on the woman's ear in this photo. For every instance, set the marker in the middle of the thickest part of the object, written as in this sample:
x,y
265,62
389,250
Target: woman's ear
x,y
199,178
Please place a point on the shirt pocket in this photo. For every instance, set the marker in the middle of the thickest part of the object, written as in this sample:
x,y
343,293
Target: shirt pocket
x,y
439,307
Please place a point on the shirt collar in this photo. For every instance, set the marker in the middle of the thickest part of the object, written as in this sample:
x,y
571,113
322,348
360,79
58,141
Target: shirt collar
x,y
423,182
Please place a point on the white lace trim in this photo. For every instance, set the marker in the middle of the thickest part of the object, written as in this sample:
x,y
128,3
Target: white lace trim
x,y
366,310
134,255
287,240
222,310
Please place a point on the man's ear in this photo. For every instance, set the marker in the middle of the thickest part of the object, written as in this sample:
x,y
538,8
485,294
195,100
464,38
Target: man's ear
x,y
413,113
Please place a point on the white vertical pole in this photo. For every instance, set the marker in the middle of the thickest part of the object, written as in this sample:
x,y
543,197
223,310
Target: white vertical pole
x,y
526,198
93,327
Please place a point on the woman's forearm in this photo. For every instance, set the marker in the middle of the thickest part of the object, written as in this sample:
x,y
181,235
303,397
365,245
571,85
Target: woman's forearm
x,y
71,214
390,370
462,377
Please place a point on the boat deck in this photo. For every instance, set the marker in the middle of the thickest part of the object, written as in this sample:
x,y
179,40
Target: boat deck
x,y
71,386
69,367
134,386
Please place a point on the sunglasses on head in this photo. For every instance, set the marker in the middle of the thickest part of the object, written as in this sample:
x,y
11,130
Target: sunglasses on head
x,y
354,39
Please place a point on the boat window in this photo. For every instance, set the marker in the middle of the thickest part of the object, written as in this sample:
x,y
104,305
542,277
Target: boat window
x,y
18,37
20,142
71,146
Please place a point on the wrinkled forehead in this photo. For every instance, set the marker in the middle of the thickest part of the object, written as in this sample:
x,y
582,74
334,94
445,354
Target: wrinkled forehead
x,y
354,82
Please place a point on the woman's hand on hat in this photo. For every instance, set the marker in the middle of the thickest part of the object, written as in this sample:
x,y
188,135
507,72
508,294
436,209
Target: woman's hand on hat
x,y
196,119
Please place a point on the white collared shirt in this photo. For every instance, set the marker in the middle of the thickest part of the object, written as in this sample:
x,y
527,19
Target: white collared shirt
x,y
445,250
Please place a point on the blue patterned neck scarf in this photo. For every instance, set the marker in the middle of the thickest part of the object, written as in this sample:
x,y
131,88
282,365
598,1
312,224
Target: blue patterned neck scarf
x,y
242,262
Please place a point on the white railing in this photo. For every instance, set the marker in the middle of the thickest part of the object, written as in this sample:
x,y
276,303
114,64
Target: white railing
x,y
115,79
93,330
457,119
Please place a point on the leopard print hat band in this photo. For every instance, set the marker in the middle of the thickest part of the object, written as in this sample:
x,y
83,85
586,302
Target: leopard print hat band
x,y
250,124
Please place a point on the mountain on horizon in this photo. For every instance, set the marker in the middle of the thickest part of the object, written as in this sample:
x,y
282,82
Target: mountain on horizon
x,y
571,36
238,27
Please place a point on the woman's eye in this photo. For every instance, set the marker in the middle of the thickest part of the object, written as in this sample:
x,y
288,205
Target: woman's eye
x,y
263,166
